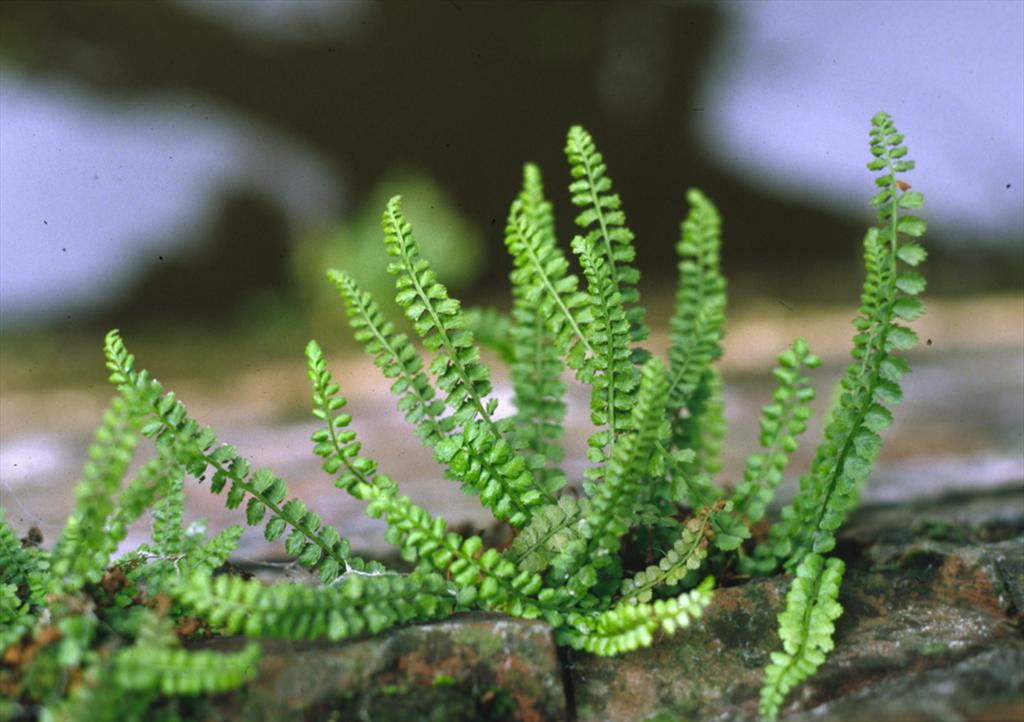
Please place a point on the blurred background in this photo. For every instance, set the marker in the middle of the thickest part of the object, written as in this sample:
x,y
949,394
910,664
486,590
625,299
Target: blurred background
x,y
185,170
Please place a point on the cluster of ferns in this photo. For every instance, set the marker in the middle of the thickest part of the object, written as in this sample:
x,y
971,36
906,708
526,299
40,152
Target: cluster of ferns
x,y
97,632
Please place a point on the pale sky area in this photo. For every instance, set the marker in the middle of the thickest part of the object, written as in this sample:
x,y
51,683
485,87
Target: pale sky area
x,y
91,189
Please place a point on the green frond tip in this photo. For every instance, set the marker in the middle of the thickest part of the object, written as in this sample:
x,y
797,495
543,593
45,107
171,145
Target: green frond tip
x,y
439,321
604,223
536,362
697,325
805,627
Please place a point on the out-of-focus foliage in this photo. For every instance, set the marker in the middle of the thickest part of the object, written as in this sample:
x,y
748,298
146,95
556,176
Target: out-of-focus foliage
x,y
456,248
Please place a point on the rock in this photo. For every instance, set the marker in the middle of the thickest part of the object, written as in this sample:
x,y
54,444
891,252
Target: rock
x,y
471,667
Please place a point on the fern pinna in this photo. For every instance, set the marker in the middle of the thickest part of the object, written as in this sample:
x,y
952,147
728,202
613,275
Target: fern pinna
x,y
629,550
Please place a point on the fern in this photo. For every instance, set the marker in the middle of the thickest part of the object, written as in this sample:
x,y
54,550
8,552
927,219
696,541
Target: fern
x,y
602,214
851,438
536,363
180,440
805,627
628,627
607,569
696,326
782,422
696,329
359,603
612,511
81,552
156,664
686,555
459,372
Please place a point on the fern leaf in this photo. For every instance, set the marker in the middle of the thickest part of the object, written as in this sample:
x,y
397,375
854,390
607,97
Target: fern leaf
x,y
480,578
628,627
82,552
395,356
542,274
157,665
782,422
511,493
851,439
686,555
553,528
438,319
698,320
610,372
536,363
701,427
180,440
604,222
612,509
358,603
24,583
805,627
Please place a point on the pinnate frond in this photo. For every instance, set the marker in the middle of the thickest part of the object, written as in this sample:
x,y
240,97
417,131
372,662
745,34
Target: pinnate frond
x,y
845,458
358,603
604,222
805,627
537,360
782,422
627,627
180,440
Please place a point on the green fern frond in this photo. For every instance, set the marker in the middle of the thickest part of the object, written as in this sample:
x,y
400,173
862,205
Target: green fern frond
x,y
698,321
805,627
542,274
537,361
358,603
180,440
473,457
628,627
613,506
512,492
687,554
845,458
183,672
552,529
480,576
24,583
166,531
604,222
701,428
82,552
395,356
782,422
439,321
610,371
